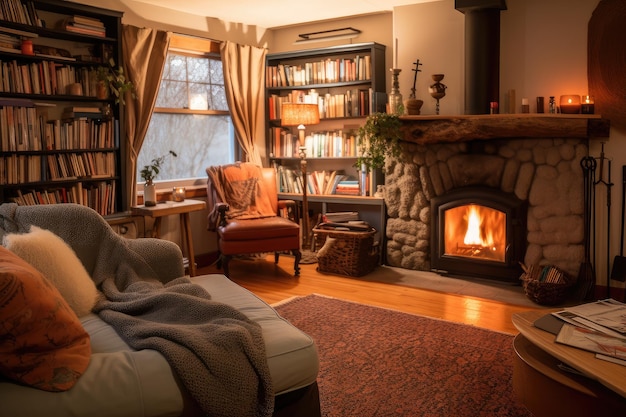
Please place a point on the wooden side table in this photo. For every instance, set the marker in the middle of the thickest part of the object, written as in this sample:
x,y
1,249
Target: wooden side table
x,y
169,208
547,390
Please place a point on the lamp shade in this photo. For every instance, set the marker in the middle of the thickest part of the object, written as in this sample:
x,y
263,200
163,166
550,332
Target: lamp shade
x,y
295,114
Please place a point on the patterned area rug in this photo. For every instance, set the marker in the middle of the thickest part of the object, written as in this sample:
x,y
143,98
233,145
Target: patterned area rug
x,y
379,362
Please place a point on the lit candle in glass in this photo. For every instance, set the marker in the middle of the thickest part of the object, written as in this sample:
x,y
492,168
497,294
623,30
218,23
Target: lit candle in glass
x,y
178,194
588,105
570,104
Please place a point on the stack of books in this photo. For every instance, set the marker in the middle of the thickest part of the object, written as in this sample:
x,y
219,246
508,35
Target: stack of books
x,y
85,25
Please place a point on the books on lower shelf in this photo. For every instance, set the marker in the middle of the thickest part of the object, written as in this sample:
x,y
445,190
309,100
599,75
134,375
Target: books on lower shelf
x,y
100,196
319,182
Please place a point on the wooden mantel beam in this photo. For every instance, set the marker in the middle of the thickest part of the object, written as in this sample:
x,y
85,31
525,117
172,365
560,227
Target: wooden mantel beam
x,y
425,130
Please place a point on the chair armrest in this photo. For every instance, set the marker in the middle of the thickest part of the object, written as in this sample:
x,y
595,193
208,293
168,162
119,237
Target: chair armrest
x,y
222,208
291,207
164,256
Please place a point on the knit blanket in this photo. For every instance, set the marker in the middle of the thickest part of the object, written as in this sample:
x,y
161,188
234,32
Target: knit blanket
x,y
241,186
215,350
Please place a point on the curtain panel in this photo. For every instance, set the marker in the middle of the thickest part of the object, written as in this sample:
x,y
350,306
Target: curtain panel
x,y
145,52
244,82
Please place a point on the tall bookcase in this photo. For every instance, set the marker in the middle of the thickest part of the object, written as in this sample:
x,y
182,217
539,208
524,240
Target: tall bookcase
x,y
59,142
348,83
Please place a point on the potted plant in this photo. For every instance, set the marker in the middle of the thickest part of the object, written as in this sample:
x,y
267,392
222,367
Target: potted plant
x,y
113,80
378,138
148,173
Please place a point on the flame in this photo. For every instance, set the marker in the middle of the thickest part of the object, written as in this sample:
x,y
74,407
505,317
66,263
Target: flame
x,y
473,234
481,229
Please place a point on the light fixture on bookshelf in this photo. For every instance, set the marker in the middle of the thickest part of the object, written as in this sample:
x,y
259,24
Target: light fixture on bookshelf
x,y
327,35
301,114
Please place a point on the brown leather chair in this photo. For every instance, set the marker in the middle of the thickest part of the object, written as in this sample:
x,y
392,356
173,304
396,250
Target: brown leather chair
x,y
247,215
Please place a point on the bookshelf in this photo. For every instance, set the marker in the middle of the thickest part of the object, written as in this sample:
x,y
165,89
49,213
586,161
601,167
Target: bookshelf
x,y
348,83
59,140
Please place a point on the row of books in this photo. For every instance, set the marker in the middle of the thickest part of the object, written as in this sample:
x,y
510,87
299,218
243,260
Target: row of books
x,y
19,11
318,182
351,103
28,129
84,25
19,169
45,77
319,144
99,196
329,70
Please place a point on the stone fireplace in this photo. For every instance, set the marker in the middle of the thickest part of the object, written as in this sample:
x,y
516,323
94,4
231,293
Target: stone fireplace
x,y
523,169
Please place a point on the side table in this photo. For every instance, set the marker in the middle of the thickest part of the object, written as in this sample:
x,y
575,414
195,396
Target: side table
x,y
549,391
169,208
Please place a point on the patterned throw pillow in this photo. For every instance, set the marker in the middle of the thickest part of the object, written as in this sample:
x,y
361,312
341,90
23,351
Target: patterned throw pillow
x,y
56,260
42,342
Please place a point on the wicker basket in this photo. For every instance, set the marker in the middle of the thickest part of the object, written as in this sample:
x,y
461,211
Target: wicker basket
x,y
546,285
352,253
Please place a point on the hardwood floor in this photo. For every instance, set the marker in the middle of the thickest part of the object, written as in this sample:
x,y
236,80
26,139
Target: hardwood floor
x,y
274,283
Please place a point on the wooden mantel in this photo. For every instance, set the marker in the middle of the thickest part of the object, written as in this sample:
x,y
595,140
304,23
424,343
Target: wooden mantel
x,y
445,129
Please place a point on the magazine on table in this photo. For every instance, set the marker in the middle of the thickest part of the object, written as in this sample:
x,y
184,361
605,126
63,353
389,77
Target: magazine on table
x,y
593,341
605,316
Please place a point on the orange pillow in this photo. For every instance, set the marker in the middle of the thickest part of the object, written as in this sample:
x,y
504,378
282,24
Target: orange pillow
x,y
42,342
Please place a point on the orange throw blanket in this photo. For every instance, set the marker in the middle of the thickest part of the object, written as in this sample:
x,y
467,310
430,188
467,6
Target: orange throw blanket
x,y
242,187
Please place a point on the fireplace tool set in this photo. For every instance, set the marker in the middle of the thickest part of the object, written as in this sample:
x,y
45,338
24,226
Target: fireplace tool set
x,y
586,275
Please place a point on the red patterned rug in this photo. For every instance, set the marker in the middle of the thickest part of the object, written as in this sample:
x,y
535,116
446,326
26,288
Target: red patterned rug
x,y
379,362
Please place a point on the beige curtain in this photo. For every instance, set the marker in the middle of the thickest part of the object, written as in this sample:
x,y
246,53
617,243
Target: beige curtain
x,y
244,80
145,51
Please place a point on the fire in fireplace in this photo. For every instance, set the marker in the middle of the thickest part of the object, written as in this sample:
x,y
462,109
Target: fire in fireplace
x,y
475,231
478,232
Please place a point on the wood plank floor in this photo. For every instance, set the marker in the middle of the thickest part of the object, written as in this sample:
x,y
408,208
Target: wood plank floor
x,y
274,283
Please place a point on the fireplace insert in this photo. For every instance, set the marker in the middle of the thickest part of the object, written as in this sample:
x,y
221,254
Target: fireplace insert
x,y
478,232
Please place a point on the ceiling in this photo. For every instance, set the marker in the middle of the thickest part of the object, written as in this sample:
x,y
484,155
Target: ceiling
x,y
277,13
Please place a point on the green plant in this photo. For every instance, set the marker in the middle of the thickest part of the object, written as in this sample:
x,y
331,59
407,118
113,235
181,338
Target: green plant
x,y
115,80
149,172
378,138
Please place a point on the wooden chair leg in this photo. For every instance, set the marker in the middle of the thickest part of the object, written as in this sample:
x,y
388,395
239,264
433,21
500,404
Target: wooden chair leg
x,y
296,264
276,256
225,261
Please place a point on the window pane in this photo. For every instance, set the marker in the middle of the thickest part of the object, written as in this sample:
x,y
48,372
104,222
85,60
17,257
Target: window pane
x,y
199,140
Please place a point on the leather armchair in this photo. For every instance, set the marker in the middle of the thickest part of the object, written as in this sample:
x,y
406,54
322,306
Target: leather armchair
x,y
246,213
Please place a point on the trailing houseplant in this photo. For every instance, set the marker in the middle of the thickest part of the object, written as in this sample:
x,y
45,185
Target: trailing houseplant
x,y
114,81
378,138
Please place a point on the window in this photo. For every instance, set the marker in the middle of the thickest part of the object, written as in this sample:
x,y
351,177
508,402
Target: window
x,y
191,118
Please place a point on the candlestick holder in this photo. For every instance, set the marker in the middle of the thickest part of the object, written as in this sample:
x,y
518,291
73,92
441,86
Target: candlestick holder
x,y
437,90
395,98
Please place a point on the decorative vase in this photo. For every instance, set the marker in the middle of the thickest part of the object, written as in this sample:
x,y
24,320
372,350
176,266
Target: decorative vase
x,y
102,92
395,98
414,106
437,90
149,195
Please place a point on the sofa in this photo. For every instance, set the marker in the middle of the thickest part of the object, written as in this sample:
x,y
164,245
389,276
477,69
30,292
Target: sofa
x,y
136,337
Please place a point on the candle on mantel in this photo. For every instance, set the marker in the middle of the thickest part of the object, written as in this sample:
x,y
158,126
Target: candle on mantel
x,y
570,104
588,105
395,61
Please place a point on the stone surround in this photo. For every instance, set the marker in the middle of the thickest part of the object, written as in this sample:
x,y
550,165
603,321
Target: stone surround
x,y
542,169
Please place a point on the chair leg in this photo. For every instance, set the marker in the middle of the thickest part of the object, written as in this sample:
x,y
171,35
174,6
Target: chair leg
x,y
225,261
296,264
276,256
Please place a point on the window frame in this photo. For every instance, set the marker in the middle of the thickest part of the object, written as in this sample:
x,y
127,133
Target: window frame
x,y
194,47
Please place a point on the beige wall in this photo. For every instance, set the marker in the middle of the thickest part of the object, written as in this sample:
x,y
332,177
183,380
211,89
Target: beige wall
x,y
543,53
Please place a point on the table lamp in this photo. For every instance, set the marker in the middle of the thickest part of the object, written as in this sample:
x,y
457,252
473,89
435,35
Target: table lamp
x,y
301,115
